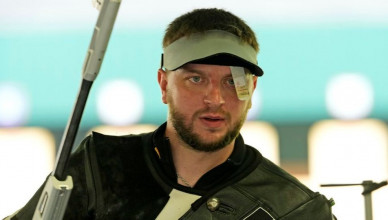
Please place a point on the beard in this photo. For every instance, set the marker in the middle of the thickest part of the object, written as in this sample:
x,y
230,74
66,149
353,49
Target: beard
x,y
194,140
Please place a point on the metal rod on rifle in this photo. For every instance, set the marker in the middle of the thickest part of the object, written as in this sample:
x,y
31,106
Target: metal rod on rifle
x,y
56,193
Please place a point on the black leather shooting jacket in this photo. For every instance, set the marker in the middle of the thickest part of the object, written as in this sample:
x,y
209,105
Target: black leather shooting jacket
x,y
121,177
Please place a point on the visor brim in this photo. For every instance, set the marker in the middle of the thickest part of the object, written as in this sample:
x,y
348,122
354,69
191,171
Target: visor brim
x,y
225,59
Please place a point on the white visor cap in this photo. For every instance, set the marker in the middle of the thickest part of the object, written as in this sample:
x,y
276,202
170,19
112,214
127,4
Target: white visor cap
x,y
211,47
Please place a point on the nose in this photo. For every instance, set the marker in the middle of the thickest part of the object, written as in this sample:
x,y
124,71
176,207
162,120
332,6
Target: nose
x,y
214,96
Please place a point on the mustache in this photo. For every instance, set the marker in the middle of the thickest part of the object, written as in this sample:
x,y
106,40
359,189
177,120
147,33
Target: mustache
x,y
220,112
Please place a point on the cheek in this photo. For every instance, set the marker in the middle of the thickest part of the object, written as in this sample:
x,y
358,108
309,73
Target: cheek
x,y
238,107
185,101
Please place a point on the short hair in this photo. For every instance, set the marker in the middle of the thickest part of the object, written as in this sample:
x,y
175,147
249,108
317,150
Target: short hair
x,y
201,20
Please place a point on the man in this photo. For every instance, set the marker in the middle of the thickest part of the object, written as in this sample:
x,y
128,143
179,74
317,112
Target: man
x,y
196,165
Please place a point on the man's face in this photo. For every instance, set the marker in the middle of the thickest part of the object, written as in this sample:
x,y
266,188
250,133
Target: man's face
x,y
204,108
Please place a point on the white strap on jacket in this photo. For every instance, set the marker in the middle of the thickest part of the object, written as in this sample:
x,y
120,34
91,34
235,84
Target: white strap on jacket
x,y
178,204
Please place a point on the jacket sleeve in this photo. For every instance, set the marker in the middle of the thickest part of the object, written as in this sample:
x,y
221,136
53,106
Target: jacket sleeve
x,y
318,208
77,207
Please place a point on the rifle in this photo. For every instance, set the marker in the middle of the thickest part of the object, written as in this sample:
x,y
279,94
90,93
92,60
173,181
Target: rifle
x,y
56,193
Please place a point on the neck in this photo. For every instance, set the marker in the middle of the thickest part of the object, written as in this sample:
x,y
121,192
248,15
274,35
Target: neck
x,y
191,164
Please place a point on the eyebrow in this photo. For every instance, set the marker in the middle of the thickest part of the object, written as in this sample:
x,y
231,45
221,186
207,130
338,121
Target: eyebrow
x,y
193,70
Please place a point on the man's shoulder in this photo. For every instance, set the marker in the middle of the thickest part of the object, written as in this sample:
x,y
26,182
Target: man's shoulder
x,y
115,175
272,177
117,139
104,141
103,146
281,177
275,189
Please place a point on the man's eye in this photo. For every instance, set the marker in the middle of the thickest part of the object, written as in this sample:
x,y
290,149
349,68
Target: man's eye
x,y
195,79
230,82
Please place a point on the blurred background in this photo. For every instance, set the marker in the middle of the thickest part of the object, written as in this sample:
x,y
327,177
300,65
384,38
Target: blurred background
x,y
320,110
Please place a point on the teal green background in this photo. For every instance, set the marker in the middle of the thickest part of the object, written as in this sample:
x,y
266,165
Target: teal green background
x,y
298,62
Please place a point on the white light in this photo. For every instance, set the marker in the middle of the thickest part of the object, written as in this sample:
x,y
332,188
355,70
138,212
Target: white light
x,y
120,103
349,97
14,105
264,137
27,156
342,152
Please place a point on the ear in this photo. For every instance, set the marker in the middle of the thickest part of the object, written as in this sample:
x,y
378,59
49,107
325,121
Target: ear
x,y
162,80
254,87
254,82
